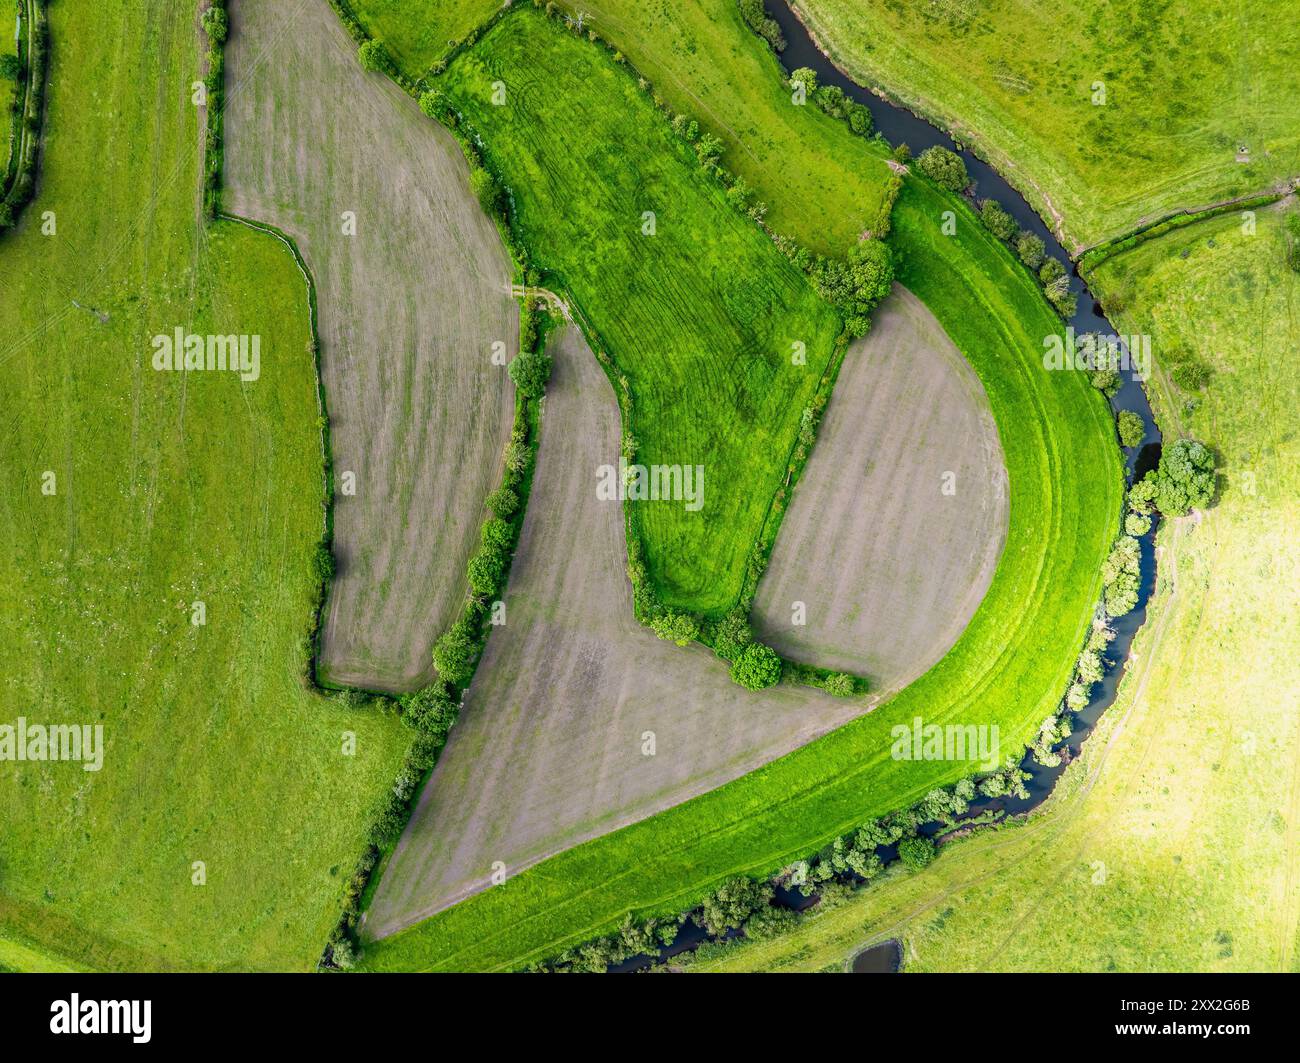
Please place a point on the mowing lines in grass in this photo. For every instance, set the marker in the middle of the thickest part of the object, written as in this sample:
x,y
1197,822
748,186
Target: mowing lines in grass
x,y
1010,667
722,341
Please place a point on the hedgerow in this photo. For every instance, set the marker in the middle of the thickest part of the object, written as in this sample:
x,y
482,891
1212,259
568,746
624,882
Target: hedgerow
x,y
18,186
216,25
743,908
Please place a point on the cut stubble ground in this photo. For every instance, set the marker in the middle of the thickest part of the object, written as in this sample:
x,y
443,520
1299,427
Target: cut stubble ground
x,y
898,522
550,749
409,309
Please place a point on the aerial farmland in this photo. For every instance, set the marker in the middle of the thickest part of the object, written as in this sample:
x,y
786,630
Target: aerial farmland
x,y
703,487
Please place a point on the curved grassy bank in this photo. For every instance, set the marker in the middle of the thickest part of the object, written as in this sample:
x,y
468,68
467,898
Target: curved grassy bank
x,y
1009,668
1124,868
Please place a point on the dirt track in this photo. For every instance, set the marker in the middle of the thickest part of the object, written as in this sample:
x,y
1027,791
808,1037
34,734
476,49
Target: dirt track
x,y
409,308
889,568
548,750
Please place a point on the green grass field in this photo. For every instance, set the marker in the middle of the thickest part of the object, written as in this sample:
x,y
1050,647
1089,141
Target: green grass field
x,y
417,34
1010,667
8,89
701,316
1172,843
170,488
822,184
1184,89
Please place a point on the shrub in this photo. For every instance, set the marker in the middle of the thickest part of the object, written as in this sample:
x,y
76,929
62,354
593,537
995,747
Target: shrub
x,y
433,103
756,667
11,67
1062,299
1050,270
1184,479
857,285
708,149
453,654
1008,781
860,120
732,635
322,563
342,954
1293,243
839,684
1030,249
1189,372
503,502
1121,576
944,168
681,628
530,372
215,24
517,455
1137,524
727,907
1131,428
486,189
756,18
1142,496
1105,380
769,922
485,570
916,853
373,56
996,220
805,76
430,711
496,534
831,100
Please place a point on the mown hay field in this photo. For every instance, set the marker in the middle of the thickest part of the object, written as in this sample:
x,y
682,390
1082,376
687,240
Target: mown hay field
x,y
413,294
579,720
898,521
699,311
1010,667
169,488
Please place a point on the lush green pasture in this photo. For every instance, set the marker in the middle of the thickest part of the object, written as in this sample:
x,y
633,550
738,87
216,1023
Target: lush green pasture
x,y
418,32
8,89
1185,87
701,316
169,489
1176,846
822,184
1010,667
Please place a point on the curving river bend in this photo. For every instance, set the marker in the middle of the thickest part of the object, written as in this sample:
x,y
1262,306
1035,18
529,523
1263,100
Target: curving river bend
x,y
901,126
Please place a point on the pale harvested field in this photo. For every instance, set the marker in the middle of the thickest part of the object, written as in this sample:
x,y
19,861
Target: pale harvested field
x,y
889,568
409,308
548,750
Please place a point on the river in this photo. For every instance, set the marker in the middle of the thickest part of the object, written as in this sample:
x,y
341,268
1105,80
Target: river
x,y
900,126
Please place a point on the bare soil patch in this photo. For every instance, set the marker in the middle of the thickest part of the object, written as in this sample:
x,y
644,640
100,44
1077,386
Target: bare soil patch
x,y
409,308
889,568
551,746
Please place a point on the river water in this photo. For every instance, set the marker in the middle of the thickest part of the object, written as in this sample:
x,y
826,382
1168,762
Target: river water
x,y
900,126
